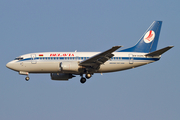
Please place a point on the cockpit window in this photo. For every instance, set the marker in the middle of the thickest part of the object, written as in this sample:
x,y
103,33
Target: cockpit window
x,y
18,58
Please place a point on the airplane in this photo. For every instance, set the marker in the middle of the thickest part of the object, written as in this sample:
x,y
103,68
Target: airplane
x,y
65,65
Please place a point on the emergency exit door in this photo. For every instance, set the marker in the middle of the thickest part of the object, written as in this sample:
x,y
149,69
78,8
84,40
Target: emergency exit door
x,y
131,60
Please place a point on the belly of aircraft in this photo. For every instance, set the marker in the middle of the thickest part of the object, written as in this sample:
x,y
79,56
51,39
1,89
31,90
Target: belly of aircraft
x,y
53,67
118,66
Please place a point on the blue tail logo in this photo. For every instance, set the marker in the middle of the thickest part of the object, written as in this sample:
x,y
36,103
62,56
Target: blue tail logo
x,y
149,36
148,42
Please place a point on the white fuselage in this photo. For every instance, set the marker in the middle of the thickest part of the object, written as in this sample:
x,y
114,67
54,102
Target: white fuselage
x,y
49,62
65,65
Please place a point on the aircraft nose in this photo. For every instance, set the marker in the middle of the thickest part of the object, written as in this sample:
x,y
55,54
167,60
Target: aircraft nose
x,y
9,65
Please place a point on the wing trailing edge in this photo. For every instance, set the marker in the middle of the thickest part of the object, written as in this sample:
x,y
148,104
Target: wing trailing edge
x,y
100,58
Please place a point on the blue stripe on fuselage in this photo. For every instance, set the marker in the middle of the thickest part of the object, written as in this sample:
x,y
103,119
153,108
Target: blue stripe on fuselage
x,y
84,58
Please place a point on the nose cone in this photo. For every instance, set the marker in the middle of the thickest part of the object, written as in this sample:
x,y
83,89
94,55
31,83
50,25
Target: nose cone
x,y
11,65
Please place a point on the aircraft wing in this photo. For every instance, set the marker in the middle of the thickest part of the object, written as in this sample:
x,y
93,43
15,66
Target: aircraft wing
x,y
97,60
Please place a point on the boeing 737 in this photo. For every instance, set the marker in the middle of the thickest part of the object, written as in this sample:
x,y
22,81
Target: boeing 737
x,y
66,65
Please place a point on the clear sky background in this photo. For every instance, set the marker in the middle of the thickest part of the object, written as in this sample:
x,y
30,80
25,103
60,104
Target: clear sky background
x,y
150,92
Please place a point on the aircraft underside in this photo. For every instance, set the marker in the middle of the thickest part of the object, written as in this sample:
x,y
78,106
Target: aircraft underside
x,y
59,72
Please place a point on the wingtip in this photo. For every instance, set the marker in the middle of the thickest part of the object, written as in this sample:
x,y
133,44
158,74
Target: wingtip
x,y
117,46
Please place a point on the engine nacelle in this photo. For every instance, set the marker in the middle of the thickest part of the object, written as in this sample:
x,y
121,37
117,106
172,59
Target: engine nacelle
x,y
70,66
61,76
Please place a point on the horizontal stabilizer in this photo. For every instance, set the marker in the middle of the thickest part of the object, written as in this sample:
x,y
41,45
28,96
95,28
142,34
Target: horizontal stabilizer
x,y
159,52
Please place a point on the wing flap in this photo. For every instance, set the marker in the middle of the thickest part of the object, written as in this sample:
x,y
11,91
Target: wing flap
x,y
99,58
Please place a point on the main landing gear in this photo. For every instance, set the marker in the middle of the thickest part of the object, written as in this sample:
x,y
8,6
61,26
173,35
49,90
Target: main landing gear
x,y
83,79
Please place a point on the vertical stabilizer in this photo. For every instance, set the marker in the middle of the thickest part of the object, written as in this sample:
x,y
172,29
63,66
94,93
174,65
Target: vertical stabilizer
x,y
148,42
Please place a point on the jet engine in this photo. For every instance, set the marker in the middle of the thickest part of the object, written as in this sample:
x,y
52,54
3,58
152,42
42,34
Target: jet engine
x,y
70,67
61,76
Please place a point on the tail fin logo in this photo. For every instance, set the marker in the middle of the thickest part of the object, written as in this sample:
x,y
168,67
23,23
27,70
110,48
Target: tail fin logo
x,y
149,36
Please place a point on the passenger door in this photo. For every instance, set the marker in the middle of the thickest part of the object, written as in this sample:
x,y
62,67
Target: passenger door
x,y
33,59
131,60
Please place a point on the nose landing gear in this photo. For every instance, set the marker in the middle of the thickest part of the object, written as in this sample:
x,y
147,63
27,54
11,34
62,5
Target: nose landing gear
x,y
25,73
27,78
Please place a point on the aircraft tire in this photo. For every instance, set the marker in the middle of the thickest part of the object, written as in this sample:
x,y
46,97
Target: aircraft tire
x,y
88,76
27,78
83,80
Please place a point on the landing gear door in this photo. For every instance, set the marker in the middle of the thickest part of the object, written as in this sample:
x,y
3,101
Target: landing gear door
x,y
131,60
33,59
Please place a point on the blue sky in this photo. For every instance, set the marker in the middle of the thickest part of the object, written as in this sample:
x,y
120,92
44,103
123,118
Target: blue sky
x,y
149,92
